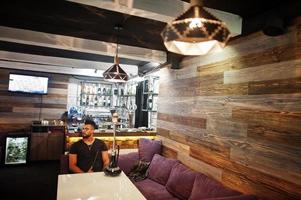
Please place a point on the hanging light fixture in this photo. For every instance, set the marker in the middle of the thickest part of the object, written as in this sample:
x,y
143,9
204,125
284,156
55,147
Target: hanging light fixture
x,y
116,73
195,32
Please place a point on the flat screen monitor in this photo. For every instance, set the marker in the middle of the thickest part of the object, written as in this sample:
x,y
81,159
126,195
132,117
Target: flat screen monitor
x,y
28,84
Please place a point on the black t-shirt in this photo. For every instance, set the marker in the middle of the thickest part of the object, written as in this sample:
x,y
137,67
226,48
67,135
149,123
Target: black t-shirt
x,y
86,154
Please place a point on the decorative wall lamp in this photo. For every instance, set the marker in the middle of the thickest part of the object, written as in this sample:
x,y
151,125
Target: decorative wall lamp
x,y
195,32
116,73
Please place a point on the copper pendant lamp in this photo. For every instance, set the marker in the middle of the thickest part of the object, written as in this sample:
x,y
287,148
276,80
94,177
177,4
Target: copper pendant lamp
x,y
115,73
195,32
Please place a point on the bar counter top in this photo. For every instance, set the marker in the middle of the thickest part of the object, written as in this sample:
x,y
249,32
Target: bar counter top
x,y
109,133
125,139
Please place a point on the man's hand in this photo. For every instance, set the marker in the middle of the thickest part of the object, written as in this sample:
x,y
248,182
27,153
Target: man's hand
x,y
90,170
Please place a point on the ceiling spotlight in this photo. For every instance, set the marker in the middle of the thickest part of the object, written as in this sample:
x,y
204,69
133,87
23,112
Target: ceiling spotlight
x,y
195,32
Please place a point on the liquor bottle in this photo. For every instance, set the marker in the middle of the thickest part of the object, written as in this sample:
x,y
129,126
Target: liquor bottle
x,y
150,86
82,100
87,100
100,101
104,101
95,101
104,91
109,91
146,86
108,102
150,104
99,90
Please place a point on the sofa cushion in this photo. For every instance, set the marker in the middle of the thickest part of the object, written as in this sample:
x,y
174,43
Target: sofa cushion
x,y
160,168
152,190
148,148
205,188
180,181
127,161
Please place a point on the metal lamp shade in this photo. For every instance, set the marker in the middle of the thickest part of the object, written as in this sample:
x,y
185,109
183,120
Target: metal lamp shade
x,y
195,32
115,74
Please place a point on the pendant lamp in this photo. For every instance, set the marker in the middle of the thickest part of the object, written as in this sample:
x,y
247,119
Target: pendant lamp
x,y
115,73
195,32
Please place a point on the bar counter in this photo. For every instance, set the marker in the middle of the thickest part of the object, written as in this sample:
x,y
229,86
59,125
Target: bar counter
x,y
125,139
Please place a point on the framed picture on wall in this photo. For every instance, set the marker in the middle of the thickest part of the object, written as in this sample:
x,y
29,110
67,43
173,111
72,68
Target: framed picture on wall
x,y
16,149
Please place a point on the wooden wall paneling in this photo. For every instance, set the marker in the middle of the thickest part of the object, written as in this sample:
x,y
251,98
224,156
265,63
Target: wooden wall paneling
x,y
13,120
37,110
58,85
163,132
32,99
15,127
284,165
219,131
209,85
18,110
57,91
282,86
263,133
254,180
6,109
286,52
169,153
182,129
177,146
281,70
270,102
184,120
283,121
200,166
34,105
260,185
198,106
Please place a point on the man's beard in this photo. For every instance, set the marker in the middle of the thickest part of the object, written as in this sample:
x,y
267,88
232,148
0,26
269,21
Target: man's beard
x,y
86,135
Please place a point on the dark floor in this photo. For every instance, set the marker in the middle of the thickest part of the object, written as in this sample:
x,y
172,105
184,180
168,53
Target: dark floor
x,y
32,181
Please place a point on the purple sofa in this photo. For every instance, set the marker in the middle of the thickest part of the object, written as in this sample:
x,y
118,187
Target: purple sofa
x,y
168,179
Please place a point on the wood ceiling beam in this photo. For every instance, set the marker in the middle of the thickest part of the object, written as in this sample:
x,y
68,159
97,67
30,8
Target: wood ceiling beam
x,y
164,11
80,45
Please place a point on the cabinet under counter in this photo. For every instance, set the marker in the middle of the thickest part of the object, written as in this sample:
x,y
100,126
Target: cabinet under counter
x,y
47,142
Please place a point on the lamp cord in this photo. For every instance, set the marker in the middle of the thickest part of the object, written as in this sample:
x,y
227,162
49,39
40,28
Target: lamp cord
x,y
117,28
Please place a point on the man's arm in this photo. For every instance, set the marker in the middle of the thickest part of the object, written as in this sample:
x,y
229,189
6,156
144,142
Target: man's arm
x,y
72,164
105,158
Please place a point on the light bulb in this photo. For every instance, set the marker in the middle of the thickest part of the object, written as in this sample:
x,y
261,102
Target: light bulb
x,y
195,23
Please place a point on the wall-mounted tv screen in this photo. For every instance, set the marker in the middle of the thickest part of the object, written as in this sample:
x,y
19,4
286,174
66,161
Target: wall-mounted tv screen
x,y
28,84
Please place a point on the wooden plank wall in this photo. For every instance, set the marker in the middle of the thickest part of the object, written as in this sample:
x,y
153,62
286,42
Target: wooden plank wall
x,y
236,115
18,110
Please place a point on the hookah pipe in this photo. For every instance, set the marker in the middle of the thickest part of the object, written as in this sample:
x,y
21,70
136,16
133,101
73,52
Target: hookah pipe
x,y
113,169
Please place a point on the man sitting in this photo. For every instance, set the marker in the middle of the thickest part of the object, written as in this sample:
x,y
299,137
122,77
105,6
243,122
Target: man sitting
x,y
88,154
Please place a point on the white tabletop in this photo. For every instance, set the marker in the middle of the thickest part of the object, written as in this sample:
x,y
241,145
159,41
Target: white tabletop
x,y
94,186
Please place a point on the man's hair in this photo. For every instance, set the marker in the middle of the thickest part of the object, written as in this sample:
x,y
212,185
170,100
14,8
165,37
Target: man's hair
x,y
90,122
